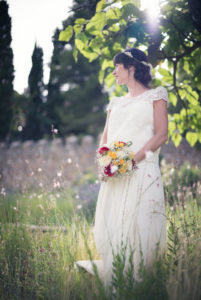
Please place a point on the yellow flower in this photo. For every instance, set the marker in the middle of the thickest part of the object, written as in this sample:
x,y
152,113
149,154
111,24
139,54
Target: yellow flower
x,y
121,145
132,155
115,163
112,154
116,143
122,170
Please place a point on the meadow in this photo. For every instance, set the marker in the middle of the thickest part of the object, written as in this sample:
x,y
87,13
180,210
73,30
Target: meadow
x,y
44,231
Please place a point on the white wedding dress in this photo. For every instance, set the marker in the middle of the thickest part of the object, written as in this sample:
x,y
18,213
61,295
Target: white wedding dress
x,y
131,210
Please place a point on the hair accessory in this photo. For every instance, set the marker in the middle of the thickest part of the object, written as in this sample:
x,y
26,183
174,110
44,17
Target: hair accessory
x,y
128,53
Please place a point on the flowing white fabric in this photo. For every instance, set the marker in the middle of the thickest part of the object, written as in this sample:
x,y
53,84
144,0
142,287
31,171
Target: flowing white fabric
x,y
131,210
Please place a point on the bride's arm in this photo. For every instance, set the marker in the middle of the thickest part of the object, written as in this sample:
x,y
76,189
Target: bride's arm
x,y
103,139
160,130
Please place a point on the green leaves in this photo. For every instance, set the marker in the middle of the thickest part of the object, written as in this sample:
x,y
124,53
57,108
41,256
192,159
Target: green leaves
x,y
176,138
173,98
113,13
96,23
192,138
66,34
119,24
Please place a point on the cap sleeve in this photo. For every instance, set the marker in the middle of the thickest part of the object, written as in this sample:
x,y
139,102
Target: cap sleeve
x,y
110,104
160,93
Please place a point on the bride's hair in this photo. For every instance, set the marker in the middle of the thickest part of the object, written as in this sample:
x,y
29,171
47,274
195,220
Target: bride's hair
x,y
138,59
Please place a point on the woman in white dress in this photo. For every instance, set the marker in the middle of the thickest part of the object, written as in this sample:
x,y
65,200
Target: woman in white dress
x,y
130,210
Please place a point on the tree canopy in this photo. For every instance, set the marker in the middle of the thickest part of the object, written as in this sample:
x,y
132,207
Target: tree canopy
x,y
75,102
172,44
6,72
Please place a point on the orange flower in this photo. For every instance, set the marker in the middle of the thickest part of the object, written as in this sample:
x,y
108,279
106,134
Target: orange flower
x,y
121,161
115,163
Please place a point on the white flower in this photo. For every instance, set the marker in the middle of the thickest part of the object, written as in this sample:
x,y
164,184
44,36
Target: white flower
x,y
121,154
56,184
104,161
59,173
114,169
129,165
69,160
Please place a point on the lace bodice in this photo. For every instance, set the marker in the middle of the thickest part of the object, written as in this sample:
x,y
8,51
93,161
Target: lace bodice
x,y
131,118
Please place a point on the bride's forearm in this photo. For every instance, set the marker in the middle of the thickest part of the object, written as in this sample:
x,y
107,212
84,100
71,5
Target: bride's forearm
x,y
103,139
152,145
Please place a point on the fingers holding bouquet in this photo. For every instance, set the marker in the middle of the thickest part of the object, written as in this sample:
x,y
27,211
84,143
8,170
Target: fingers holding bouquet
x,y
115,160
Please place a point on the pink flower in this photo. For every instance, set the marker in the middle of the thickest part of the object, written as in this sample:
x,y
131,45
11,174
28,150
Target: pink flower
x,y
103,149
42,250
107,171
123,142
133,163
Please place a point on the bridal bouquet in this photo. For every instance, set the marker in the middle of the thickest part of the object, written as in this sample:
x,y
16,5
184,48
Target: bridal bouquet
x,y
115,160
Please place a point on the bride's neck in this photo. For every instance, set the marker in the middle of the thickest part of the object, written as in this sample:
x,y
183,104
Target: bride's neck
x,y
135,88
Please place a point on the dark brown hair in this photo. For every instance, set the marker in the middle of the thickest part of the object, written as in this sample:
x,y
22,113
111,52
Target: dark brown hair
x,y
142,71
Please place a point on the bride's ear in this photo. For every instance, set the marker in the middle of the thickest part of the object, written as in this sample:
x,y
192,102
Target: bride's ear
x,y
131,70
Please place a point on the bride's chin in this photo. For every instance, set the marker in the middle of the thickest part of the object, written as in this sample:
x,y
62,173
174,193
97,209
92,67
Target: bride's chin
x,y
119,82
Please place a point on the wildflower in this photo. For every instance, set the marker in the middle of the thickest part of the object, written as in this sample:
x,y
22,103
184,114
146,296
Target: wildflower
x,y
56,184
39,170
40,184
40,206
42,250
3,191
77,196
59,173
69,160
55,130
79,206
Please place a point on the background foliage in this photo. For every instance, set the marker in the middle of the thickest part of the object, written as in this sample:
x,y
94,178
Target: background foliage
x,y
172,44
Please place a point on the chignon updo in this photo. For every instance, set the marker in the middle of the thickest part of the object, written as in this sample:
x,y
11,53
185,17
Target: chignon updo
x,y
138,59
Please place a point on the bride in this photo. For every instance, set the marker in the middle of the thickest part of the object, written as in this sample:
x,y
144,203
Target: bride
x,y
130,211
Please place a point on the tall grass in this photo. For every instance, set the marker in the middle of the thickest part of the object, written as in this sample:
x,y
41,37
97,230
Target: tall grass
x,y
39,264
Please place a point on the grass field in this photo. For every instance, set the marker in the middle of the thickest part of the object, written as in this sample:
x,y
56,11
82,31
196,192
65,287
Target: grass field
x,y
36,262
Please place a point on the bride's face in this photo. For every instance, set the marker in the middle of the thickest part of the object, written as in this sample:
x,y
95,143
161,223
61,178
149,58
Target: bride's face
x,y
122,74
